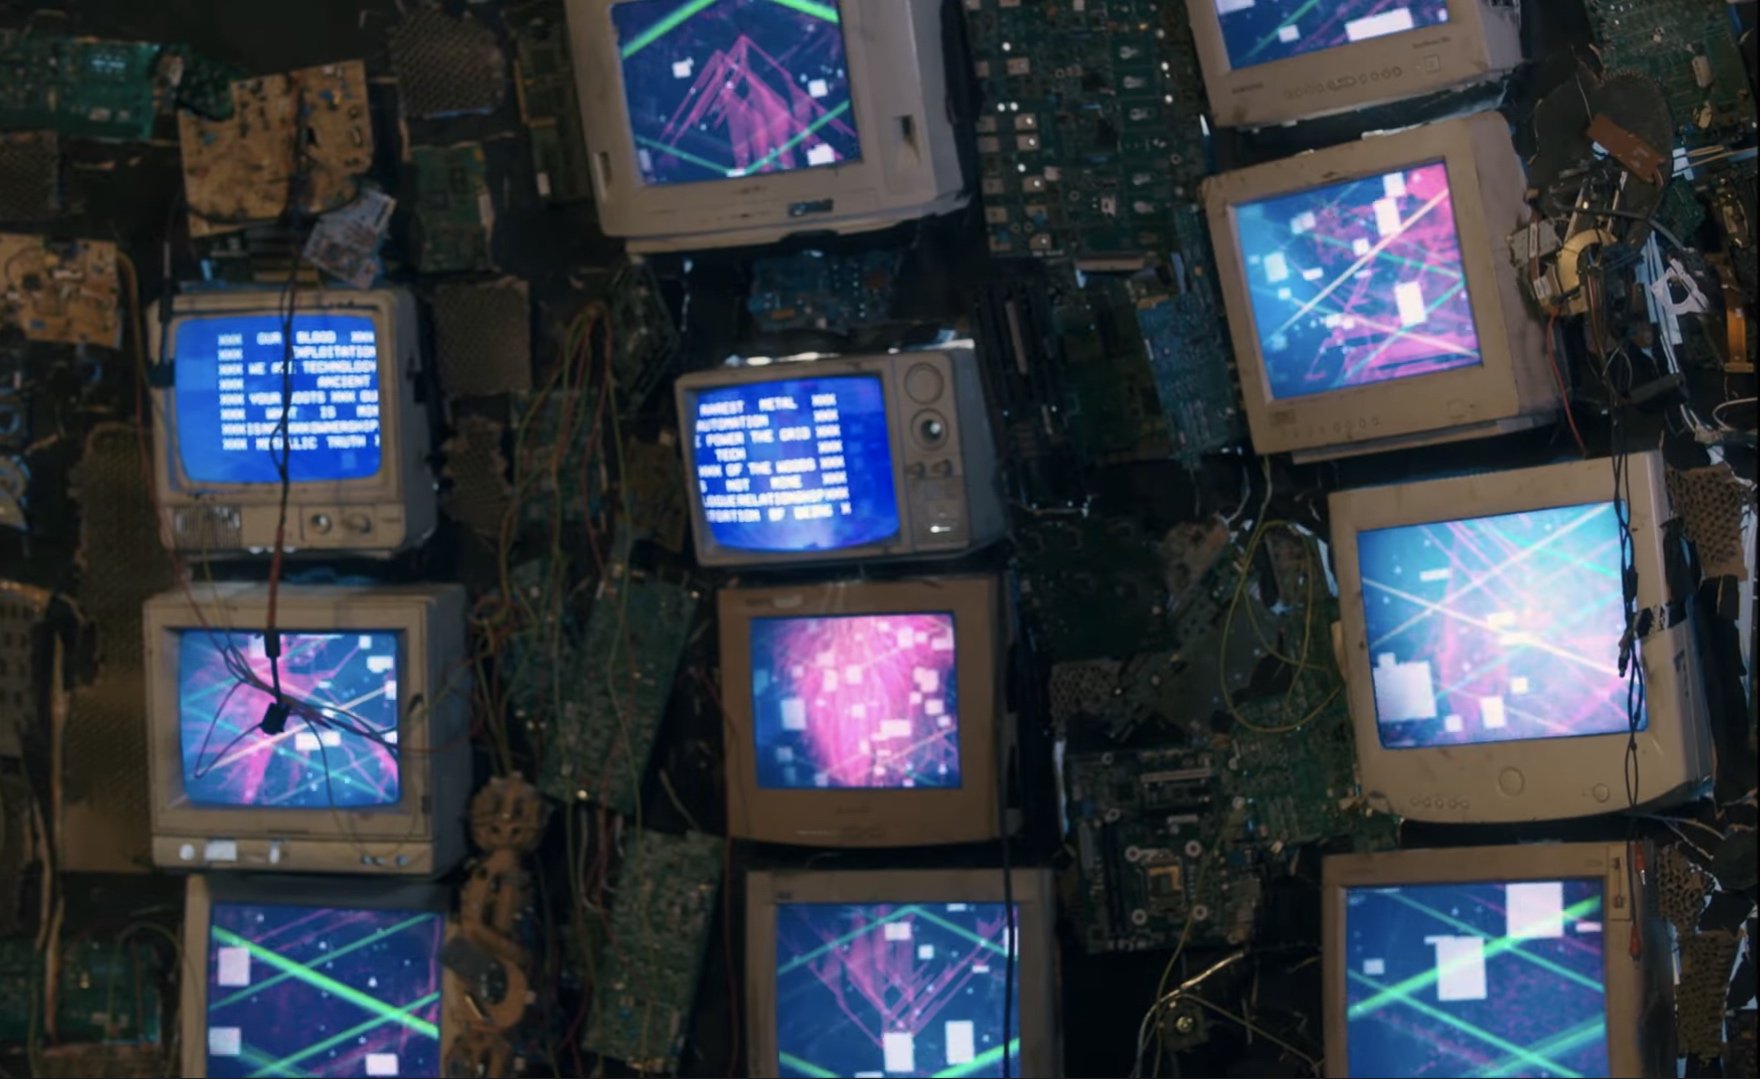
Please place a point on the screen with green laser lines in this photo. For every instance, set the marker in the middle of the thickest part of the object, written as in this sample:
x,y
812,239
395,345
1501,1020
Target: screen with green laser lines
x,y
1476,979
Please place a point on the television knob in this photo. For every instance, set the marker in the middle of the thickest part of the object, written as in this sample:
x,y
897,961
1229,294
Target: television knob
x,y
923,383
942,467
321,523
930,430
1600,792
917,470
1511,781
359,522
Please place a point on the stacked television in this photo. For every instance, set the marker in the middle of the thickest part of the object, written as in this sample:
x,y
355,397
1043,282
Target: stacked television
x,y
308,741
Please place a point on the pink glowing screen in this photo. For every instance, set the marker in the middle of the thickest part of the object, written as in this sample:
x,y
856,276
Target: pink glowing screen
x,y
865,700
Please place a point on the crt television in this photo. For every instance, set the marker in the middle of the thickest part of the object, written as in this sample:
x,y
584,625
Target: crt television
x,y
371,771
1276,61
1481,623
314,976
901,972
358,479
1542,960
866,457
1371,296
715,123
864,714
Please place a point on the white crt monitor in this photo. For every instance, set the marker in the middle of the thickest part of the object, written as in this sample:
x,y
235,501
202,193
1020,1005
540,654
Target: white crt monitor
x,y
716,123
901,972
848,459
1481,622
1543,960
1276,61
1370,293
372,769
358,477
316,976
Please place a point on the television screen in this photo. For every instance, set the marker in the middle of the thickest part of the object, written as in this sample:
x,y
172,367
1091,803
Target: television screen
x,y
317,991
722,90
229,390
893,989
1476,979
867,700
798,464
1494,629
1358,282
1264,31
223,681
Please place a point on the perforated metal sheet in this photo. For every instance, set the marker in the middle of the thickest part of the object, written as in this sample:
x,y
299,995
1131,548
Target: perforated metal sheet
x,y
1081,688
1710,502
480,493
30,176
483,338
447,66
1706,959
1681,889
21,611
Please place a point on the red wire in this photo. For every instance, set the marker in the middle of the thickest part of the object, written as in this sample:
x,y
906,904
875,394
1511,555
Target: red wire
x,y
1564,397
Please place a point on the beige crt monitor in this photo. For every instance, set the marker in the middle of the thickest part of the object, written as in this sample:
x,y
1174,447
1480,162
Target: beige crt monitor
x,y
864,713
372,771
1482,619
1277,61
1543,959
1371,297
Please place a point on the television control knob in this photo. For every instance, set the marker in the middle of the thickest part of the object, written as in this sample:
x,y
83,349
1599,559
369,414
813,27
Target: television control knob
x,y
1511,781
321,523
358,522
924,384
917,470
930,429
942,468
1600,792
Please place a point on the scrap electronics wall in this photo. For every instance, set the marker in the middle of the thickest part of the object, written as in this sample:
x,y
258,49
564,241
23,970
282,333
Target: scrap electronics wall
x,y
725,537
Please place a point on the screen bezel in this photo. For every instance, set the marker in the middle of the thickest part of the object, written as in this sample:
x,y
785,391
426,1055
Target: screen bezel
x,y
1399,407
1033,895
1464,782
870,816
202,892
1611,863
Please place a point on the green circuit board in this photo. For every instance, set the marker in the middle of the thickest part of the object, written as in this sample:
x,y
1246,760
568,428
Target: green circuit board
x,y
831,293
107,993
659,931
453,210
1189,354
80,87
1690,48
1110,399
549,108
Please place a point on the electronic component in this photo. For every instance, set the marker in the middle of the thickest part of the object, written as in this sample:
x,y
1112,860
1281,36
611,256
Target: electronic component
x,y
1687,46
454,215
60,291
645,341
600,702
446,65
80,87
864,457
358,440
345,242
1186,337
659,930
830,116
829,293
863,713
1075,565
1110,399
1471,695
108,990
1543,959
1283,60
925,959
544,78
1371,296
368,776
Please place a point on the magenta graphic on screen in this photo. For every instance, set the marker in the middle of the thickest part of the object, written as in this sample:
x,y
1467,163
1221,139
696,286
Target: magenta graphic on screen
x,y
1358,282
856,701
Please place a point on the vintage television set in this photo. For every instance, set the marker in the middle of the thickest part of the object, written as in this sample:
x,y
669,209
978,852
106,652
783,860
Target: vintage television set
x,y
864,713
317,976
1276,61
745,121
865,457
1481,620
1371,296
901,972
358,479
1545,960
370,770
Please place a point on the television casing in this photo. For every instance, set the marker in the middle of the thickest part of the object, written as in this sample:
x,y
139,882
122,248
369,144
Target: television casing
x,y
1640,989
1481,41
352,893
423,835
872,817
1035,901
1540,779
375,516
904,115
949,490
1511,390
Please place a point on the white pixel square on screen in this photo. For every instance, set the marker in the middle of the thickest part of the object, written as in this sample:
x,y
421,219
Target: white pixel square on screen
x,y
898,930
1460,967
1518,686
962,1041
934,706
830,682
818,88
1403,691
1374,968
1393,185
225,1041
379,664
925,951
822,154
943,642
233,967
794,714
1453,724
1387,219
1276,267
901,1052
1534,910
852,674
1288,33
1491,713
681,69
381,1064
927,679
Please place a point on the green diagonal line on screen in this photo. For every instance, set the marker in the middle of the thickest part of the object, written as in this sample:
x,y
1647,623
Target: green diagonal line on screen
x,y
807,7
257,1060
329,985
370,938
804,1067
1557,1045
802,960
279,1067
1289,21
676,152
964,932
1526,1056
763,162
1538,960
663,27
1402,991
982,1060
